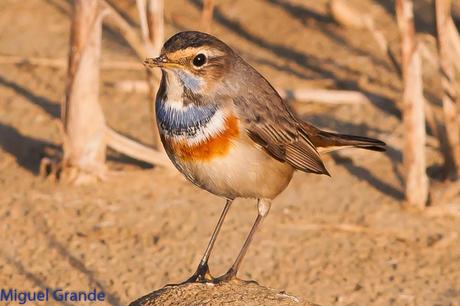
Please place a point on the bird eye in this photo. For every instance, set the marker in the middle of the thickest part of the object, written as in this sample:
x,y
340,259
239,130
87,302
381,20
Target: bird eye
x,y
199,60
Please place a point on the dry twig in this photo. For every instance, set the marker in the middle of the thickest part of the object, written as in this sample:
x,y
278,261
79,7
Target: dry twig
x,y
325,96
155,29
413,109
116,22
206,15
344,14
136,150
448,57
61,63
81,115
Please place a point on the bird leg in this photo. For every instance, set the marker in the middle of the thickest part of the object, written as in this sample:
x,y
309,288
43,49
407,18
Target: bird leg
x,y
263,207
202,272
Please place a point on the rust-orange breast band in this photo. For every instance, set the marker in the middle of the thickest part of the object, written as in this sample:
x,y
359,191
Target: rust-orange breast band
x,y
215,146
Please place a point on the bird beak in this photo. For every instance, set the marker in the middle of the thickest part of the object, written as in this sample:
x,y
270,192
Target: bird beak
x,y
161,61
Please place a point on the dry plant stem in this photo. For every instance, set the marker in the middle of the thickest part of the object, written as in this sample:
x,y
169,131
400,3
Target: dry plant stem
x,y
206,15
142,9
81,114
325,96
383,44
430,112
453,38
116,22
155,19
145,47
61,63
135,86
427,54
150,88
151,15
136,150
345,14
155,22
413,110
432,120
449,99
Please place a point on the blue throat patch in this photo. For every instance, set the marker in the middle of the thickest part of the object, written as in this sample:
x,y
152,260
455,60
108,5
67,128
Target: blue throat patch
x,y
185,122
190,81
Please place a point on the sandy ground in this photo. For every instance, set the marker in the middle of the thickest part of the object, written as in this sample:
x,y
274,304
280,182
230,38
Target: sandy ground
x,y
344,240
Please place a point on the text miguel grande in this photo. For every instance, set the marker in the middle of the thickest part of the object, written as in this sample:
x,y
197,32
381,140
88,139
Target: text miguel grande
x,y
23,296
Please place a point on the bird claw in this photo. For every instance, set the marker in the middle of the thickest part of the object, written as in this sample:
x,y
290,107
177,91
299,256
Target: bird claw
x,y
201,275
229,276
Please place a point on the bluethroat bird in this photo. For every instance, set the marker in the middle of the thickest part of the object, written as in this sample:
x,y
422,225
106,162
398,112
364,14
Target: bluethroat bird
x,y
229,132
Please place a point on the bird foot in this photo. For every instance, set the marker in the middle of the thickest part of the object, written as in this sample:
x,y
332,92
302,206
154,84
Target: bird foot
x,y
229,276
201,275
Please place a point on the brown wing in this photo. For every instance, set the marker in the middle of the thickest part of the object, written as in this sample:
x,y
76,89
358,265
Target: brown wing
x,y
270,123
288,144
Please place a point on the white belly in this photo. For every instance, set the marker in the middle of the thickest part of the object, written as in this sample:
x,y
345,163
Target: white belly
x,y
246,171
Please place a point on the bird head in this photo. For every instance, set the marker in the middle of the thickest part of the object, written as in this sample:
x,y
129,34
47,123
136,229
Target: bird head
x,y
197,60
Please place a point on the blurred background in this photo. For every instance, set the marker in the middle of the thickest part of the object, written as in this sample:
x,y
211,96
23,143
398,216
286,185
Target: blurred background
x,y
383,230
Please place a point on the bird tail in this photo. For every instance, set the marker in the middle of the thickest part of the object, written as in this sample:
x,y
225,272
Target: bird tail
x,y
327,142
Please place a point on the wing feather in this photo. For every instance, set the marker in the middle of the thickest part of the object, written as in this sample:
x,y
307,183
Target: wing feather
x,y
293,147
271,124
